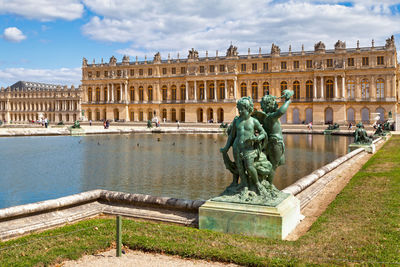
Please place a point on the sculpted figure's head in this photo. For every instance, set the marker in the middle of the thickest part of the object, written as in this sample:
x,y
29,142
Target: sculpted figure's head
x,y
245,103
268,103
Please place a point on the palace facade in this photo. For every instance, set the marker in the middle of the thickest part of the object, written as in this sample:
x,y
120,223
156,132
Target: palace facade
x,y
31,101
330,85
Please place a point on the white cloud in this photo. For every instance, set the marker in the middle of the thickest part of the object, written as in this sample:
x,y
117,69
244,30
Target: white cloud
x,y
43,10
13,34
62,76
151,26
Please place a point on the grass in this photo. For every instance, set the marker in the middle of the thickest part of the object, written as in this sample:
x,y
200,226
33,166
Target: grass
x,y
361,226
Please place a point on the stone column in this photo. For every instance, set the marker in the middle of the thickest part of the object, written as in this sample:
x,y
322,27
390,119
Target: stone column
x,y
343,86
336,90
108,93
357,89
226,90
393,87
235,88
322,87
205,90
372,87
195,90
315,87
112,92
126,92
215,90
186,91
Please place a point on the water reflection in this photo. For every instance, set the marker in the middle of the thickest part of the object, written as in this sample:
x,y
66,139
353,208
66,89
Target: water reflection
x,y
182,166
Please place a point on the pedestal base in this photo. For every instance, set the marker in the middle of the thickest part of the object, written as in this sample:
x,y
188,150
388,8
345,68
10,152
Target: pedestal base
x,y
368,148
254,220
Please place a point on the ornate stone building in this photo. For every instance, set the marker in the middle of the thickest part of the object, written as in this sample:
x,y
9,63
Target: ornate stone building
x,y
27,101
330,85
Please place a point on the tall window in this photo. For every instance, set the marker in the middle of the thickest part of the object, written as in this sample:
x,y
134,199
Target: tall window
x,y
283,86
183,92
173,92
164,71
350,62
201,91
283,65
150,72
90,94
150,93
164,114
380,60
329,62
132,93
243,67
141,93
309,89
243,90
222,90
173,70
365,61
201,69
365,89
98,94
254,66
183,70
173,115
211,91
118,94
212,68
296,90
329,89
164,92
350,89
380,88
222,68
254,91
309,64
296,64
265,88
265,66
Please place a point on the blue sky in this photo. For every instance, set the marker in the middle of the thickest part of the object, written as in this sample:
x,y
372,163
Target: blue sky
x,y
45,40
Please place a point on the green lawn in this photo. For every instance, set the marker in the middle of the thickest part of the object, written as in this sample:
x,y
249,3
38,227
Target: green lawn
x,y
362,225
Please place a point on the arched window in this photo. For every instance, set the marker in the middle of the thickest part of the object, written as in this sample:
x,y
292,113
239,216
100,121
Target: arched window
x,y
265,88
173,94
182,115
309,115
329,88
380,88
211,91
309,89
141,93
365,89
90,94
132,93
296,116
222,91
328,116
131,115
141,118
150,93
164,93
201,91
381,112
243,90
210,115
296,90
89,115
149,114
220,115
173,115
283,86
164,114
98,94
365,115
200,115
350,89
116,114
183,92
254,91
350,115
97,115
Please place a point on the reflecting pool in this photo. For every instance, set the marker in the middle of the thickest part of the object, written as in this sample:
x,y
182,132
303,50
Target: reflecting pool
x,y
183,166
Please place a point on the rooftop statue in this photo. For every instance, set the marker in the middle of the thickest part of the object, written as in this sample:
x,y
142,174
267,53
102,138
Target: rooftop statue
x,y
125,59
275,50
193,54
320,46
232,51
390,42
340,45
113,60
258,149
157,58
84,62
360,135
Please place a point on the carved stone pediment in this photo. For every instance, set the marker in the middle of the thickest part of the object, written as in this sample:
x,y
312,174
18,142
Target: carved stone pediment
x,y
192,70
275,50
113,61
319,47
232,51
157,58
193,54
232,68
390,43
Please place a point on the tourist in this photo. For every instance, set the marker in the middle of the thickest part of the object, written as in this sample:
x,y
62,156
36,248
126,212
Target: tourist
x,y
90,122
350,126
309,126
46,122
104,124
177,122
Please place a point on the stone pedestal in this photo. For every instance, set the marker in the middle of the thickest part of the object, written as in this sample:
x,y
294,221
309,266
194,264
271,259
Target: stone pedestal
x,y
254,220
368,148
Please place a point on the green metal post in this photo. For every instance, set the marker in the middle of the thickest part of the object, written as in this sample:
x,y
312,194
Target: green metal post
x,y
119,235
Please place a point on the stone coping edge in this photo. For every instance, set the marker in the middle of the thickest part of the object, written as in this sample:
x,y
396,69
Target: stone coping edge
x,y
101,196
308,180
